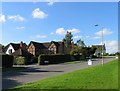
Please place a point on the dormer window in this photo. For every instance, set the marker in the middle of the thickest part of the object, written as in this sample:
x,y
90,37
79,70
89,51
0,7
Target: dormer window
x,y
10,51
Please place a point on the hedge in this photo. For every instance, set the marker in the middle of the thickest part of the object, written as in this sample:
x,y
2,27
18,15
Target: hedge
x,y
20,60
54,59
7,60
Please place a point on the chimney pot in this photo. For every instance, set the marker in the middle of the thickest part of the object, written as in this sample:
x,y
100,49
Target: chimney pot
x,y
21,44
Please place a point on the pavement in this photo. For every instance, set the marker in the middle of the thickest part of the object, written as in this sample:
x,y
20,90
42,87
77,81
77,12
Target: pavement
x,y
32,73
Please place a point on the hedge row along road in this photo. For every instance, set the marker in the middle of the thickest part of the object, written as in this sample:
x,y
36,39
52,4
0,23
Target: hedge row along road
x,y
33,73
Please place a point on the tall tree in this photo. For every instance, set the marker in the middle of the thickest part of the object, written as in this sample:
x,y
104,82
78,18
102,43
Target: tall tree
x,y
67,40
80,43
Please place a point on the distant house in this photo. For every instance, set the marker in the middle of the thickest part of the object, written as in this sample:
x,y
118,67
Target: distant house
x,y
52,47
12,47
99,50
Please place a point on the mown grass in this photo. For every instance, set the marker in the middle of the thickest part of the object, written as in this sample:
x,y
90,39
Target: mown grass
x,y
97,77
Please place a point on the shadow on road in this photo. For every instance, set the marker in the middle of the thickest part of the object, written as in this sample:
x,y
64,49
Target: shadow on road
x,y
8,83
7,76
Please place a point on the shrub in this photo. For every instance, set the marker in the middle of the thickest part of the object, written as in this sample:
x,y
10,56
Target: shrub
x,y
7,60
34,59
20,60
53,59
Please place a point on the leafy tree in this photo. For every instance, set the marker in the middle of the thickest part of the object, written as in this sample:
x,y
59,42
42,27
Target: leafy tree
x,y
1,48
67,40
83,51
75,51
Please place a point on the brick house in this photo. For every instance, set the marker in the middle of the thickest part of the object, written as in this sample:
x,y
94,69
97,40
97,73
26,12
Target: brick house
x,y
52,47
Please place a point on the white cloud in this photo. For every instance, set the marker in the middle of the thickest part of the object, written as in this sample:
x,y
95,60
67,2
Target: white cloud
x,y
20,28
41,36
77,37
16,18
50,2
62,31
37,13
96,37
2,18
111,46
87,36
74,30
52,33
105,32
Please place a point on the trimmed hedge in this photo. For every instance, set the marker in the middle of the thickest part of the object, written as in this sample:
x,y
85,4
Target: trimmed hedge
x,y
7,60
54,59
20,60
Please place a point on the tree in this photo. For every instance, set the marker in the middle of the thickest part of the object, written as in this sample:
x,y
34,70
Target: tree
x,y
80,43
67,40
83,51
1,48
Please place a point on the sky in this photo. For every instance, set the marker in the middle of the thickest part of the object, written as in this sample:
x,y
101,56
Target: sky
x,y
45,22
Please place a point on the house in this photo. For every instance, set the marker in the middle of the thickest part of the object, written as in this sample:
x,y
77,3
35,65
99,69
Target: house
x,y
99,50
22,52
52,47
12,47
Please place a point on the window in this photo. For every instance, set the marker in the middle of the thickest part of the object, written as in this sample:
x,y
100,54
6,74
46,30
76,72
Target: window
x,y
10,51
51,51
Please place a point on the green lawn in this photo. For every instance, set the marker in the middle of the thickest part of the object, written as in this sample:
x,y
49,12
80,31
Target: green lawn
x,y
97,77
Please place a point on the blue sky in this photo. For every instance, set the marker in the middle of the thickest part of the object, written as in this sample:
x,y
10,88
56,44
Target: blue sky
x,y
43,22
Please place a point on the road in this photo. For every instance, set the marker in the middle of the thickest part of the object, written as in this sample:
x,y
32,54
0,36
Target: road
x,y
33,73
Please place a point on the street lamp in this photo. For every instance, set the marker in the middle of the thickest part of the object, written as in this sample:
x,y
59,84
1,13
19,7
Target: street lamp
x,y
102,43
102,48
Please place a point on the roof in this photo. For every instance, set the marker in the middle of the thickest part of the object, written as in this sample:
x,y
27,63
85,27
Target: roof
x,y
99,46
44,45
16,46
37,45
21,52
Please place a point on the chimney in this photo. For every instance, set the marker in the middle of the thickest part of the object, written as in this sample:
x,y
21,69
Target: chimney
x,y
21,44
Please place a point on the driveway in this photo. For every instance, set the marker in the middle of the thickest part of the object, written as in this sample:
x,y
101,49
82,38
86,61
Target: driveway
x,y
35,72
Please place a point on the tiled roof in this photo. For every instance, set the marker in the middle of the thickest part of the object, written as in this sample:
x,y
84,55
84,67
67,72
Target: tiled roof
x,y
45,45
16,46
21,52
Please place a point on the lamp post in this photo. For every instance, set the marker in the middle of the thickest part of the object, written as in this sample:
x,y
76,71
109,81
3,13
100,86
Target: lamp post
x,y
102,44
102,48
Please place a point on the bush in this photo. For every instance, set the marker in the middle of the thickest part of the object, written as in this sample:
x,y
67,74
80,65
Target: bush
x,y
20,60
7,60
34,59
53,59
